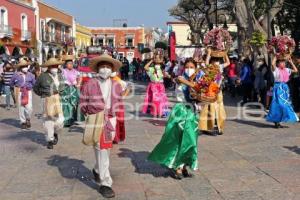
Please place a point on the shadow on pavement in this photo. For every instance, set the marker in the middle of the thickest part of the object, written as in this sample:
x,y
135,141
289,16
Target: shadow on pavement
x,y
36,137
70,168
158,122
294,149
142,165
253,123
11,122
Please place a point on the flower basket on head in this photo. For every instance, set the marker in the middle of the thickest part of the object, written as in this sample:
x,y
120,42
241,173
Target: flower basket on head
x,y
207,87
281,46
219,40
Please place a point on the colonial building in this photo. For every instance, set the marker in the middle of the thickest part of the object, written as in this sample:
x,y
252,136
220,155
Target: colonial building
x,y
17,27
83,38
152,36
56,32
127,41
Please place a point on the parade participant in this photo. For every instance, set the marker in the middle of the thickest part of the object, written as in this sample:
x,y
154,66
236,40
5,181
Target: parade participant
x,y
156,100
120,114
99,100
70,95
8,72
214,113
49,86
281,109
23,81
177,149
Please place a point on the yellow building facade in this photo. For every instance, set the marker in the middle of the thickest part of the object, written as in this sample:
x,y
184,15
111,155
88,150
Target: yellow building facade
x,y
83,38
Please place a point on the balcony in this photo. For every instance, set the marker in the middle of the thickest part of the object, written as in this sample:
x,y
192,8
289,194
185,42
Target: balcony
x,y
25,35
6,31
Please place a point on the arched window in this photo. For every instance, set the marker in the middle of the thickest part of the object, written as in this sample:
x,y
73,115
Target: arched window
x,y
3,16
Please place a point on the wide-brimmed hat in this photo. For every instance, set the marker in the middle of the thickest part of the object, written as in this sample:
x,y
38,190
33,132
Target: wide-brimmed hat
x,y
104,58
66,58
53,62
23,62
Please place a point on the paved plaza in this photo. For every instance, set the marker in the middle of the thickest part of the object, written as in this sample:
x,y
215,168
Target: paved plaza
x,y
252,161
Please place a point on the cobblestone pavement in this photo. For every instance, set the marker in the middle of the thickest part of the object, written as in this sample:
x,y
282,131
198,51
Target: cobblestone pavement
x,y
252,161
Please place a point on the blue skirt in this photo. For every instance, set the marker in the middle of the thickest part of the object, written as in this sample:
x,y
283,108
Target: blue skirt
x,y
281,108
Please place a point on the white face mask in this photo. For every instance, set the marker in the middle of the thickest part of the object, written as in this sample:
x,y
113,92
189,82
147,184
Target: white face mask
x,y
54,71
157,67
114,74
189,72
44,69
260,63
217,63
24,70
105,73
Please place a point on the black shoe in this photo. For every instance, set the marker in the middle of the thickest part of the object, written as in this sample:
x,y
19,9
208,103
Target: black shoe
x,y
106,192
28,124
96,176
220,133
50,145
24,126
214,133
176,175
186,174
55,141
278,125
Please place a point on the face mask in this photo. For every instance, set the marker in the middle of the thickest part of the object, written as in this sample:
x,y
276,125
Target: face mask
x,y
114,74
105,73
54,71
217,63
157,67
44,69
260,63
25,70
189,72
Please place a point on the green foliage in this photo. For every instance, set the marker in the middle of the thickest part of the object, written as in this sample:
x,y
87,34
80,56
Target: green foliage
x,y
258,39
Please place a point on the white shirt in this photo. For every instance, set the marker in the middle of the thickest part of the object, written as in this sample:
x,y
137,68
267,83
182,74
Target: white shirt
x,y
105,86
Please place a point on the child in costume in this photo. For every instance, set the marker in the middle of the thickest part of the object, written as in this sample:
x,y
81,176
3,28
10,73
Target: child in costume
x,y
281,109
156,98
177,149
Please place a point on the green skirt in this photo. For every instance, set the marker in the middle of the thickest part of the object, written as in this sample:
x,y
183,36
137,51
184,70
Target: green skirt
x,y
178,145
70,99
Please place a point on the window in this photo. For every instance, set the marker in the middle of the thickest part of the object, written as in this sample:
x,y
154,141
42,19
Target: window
x,y
52,32
3,16
129,42
63,34
101,42
24,23
111,42
42,29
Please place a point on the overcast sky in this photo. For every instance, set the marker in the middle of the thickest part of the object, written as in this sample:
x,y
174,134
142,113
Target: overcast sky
x,y
151,13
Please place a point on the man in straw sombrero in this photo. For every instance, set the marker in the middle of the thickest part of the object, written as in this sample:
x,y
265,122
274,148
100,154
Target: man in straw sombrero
x,y
50,86
99,101
23,81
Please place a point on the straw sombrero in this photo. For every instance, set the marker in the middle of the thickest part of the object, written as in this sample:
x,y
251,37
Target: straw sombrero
x,y
53,62
66,58
104,58
23,62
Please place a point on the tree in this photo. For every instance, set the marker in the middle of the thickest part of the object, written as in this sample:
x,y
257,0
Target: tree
x,y
288,20
197,14
251,16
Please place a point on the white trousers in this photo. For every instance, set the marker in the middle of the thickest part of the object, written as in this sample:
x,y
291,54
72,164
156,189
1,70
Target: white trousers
x,y
25,111
102,166
52,126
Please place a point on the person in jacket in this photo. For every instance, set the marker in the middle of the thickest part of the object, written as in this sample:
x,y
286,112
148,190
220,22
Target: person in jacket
x,y
99,100
23,81
8,72
49,86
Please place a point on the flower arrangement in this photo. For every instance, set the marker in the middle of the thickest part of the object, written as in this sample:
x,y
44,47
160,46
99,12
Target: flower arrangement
x,y
207,86
281,46
219,39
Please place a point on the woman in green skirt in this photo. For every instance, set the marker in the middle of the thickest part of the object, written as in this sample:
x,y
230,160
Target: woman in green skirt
x,y
177,149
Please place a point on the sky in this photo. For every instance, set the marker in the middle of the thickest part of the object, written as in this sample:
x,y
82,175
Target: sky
x,y
150,13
